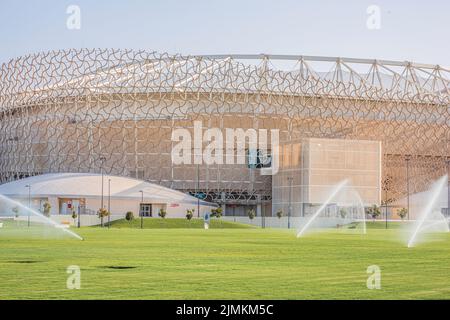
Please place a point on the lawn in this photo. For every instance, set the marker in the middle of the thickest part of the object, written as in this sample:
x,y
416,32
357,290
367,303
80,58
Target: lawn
x,y
224,263
179,223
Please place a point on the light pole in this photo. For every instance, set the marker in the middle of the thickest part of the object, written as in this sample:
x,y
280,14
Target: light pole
x,y
102,159
79,216
407,159
109,202
140,209
290,202
29,202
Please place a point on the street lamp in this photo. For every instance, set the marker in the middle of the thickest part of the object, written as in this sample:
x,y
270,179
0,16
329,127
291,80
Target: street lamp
x,y
140,209
102,159
290,201
109,202
29,202
407,159
79,216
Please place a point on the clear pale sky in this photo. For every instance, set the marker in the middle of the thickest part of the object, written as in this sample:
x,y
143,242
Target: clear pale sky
x,y
410,30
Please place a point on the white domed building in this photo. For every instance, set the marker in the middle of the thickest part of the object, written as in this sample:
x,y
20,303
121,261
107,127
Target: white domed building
x,y
83,194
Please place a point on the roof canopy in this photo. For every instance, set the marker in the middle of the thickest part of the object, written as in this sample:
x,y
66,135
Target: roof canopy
x,y
76,73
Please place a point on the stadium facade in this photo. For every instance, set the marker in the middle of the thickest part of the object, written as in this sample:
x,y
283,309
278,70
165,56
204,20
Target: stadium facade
x,y
384,124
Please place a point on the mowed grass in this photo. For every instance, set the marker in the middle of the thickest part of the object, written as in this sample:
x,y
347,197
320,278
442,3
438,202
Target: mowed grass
x,y
158,223
254,263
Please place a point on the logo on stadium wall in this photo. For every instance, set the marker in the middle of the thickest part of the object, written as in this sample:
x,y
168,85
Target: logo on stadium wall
x,y
237,146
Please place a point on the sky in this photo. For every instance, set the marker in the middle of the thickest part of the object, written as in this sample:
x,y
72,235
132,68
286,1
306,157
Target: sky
x,y
408,30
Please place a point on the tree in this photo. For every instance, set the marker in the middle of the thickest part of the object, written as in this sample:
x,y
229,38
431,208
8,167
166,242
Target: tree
x,y
16,211
189,213
102,213
251,214
162,213
217,212
74,216
280,214
47,206
403,212
343,213
374,211
129,216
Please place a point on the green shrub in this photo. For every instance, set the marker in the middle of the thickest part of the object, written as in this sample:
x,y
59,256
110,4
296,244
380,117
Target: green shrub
x,y
280,214
129,216
217,212
47,208
343,213
374,211
403,212
189,213
74,216
251,214
162,213
16,211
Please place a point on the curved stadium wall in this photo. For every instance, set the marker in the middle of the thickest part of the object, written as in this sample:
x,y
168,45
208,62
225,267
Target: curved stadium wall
x,y
65,111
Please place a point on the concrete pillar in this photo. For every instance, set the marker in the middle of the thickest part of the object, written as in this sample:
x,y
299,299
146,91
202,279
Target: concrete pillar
x,y
259,210
222,196
54,210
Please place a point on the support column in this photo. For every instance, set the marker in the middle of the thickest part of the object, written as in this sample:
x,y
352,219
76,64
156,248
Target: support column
x,y
222,196
54,203
259,211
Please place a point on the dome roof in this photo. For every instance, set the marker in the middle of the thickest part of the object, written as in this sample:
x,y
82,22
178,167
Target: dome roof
x,y
89,185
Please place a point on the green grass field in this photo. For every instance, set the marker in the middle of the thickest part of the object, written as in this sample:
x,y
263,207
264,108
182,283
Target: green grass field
x,y
178,223
224,263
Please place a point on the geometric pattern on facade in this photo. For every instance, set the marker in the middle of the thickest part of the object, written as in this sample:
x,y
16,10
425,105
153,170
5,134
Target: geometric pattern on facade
x,y
87,110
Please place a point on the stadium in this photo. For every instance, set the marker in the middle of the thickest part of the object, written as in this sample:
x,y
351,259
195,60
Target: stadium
x,y
384,124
